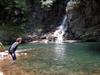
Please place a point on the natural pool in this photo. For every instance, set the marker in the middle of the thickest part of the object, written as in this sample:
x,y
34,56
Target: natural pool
x,y
62,59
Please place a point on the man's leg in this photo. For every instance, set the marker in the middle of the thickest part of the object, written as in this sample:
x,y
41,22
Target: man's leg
x,y
14,56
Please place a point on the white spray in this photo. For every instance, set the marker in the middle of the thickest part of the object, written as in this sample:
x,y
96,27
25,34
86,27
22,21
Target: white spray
x,y
61,31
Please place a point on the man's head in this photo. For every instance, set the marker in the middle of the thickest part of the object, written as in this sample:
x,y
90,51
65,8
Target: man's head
x,y
19,40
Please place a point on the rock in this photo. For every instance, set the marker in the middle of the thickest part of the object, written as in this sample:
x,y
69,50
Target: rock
x,y
3,55
1,73
2,49
84,21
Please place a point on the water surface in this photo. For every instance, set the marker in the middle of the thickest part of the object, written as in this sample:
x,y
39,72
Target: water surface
x,y
64,59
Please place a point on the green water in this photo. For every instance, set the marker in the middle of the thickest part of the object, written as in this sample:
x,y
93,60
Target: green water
x,y
64,59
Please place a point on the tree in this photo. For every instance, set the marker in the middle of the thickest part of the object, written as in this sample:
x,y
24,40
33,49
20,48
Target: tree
x,y
12,19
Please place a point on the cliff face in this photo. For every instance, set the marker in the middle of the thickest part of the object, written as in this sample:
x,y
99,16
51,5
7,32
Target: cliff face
x,y
84,19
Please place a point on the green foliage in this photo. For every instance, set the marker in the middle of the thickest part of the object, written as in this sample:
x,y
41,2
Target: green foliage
x,y
21,4
12,19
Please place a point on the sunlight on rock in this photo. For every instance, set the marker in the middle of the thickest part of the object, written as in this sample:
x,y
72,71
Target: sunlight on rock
x,y
2,55
1,73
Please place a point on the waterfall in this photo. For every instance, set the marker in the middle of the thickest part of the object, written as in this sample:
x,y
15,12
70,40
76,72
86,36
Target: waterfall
x,y
61,31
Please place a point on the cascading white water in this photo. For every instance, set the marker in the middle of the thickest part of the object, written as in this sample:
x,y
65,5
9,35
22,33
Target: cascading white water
x,y
61,31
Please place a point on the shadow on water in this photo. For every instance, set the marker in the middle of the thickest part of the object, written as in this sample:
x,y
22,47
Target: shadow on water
x,y
95,48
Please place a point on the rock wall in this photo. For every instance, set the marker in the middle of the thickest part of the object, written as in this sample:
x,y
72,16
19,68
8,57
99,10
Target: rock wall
x,y
84,19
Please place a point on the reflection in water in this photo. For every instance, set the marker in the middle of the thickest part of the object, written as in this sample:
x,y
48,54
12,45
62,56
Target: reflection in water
x,y
59,50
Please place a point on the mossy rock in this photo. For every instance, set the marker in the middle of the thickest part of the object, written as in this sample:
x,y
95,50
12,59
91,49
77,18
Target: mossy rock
x,y
2,48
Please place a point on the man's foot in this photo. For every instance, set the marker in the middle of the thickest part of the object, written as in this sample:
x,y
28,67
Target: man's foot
x,y
12,62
